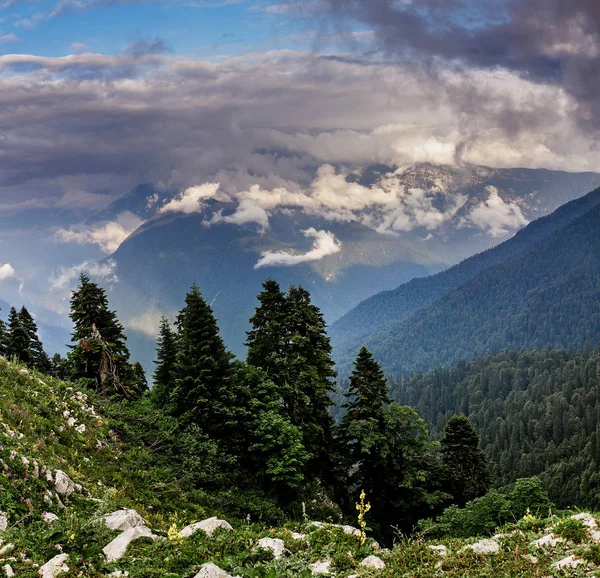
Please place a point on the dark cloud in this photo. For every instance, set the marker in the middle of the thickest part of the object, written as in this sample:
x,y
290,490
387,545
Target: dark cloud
x,y
147,47
547,41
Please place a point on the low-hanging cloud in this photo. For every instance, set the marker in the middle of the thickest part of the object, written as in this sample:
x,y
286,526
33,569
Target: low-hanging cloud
x,y
64,277
246,212
192,199
108,236
324,244
7,271
495,216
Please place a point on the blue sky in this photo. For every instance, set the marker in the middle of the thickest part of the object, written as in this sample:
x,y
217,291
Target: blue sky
x,y
204,29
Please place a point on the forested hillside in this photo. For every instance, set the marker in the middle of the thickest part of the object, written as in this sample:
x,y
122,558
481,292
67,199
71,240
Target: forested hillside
x,y
384,309
537,412
548,296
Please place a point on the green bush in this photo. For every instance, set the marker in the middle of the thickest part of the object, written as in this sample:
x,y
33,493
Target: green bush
x,y
572,530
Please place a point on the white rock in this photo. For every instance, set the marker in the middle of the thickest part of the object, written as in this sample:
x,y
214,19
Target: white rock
x,y
54,567
71,422
118,574
569,562
275,545
117,548
3,521
440,550
63,484
321,567
123,520
212,571
483,547
297,536
595,536
49,517
9,571
80,428
6,549
373,562
209,526
586,519
548,541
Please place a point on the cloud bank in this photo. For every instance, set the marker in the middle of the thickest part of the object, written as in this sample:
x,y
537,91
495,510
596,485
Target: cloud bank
x,y
64,277
107,236
324,244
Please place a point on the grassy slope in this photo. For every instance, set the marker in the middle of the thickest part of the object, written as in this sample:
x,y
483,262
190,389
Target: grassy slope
x,y
34,411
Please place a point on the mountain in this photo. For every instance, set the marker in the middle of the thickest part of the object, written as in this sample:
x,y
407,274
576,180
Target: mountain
x,y
390,307
142,201
546,296
170,252
537,413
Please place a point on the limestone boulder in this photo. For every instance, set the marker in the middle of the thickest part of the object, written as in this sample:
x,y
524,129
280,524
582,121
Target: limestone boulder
x,y
123,520
209,526
54,567
116,549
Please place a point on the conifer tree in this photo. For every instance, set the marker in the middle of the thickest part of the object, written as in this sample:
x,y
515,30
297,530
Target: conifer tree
x,y
3,337
267,338
18,338
289,342
465,464
166,357
34,355
139,377
200,392
100,354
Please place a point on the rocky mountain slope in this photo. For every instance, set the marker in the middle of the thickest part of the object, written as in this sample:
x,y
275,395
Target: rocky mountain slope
x,y
75,504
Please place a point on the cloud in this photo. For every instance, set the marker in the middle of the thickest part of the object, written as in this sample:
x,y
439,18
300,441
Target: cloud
x,y
63,277
144,47
78,47
495,216
7,272
324,244
192,199
147,323
107,236
246,212
9,38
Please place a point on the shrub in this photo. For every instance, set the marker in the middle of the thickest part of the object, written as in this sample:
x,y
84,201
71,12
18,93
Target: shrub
x,y
572,530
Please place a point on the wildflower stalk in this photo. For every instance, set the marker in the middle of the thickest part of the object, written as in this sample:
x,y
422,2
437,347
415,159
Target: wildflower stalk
x,y
362,508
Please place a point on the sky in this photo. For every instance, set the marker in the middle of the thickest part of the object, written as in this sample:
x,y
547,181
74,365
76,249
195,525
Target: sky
x,y
97,96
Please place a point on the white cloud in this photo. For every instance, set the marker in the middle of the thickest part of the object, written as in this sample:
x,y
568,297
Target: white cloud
x,y
63,277
6,272
247,212
495,216
192,199
9,38
107,236
324,244
151,200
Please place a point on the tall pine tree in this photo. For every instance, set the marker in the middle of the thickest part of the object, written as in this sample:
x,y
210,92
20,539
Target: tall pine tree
x,y
17,345
3,338
200,392
34,355
289,342
100,355
465,465
166,357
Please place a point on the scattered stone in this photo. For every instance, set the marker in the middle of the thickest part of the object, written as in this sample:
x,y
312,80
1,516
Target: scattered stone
x,y
297,536
6,549
373,562
123,520
548,541
440,550
275,545
212,571
208,526
569,562
483,547
9,571
586,519
63,484
54,567
49,517
118,574
595,536
80,428
533,559
3,521
321,567
117,548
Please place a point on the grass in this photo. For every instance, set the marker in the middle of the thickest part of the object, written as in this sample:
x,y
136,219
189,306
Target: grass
x,y
41,429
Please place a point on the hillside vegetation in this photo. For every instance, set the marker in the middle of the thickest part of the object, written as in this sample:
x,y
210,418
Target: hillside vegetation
x,y
52,434
546,296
